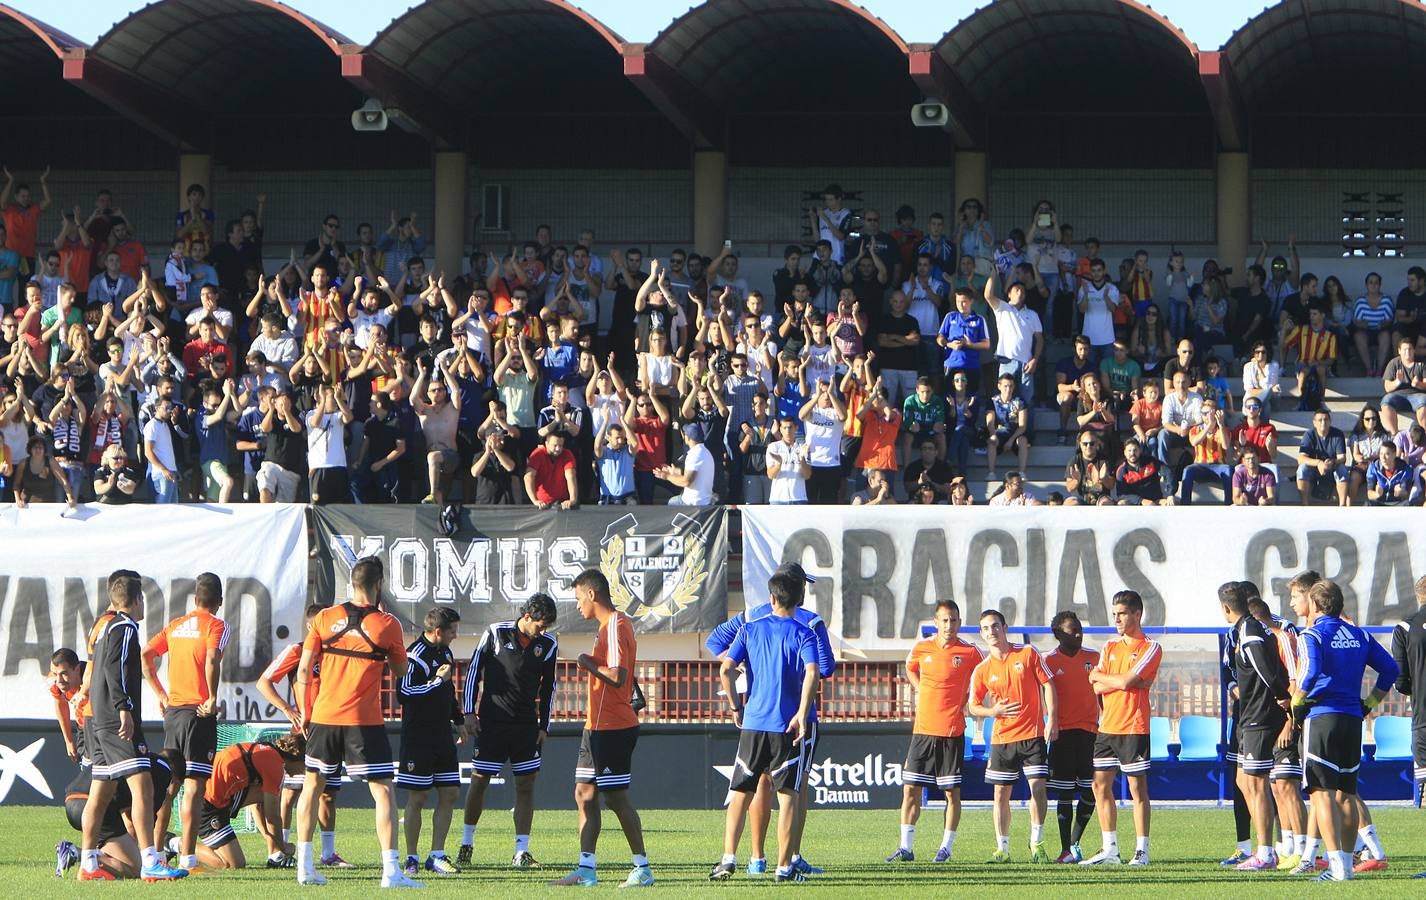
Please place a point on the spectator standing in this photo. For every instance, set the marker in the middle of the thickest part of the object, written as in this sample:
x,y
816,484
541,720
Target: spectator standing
x,y
284,456
22,217
324,249
939,246
963,337
614,460
754,435
1021,338
401,242
1256,320
898,348
329,481
823,414
212,425
159,451
831,221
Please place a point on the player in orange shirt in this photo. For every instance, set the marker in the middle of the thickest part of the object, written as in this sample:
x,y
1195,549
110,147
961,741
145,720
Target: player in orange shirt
x,y
248,774
1127,666
194,643
611,729
67,678
284,667
1072,754
1016,683
940,671
355,643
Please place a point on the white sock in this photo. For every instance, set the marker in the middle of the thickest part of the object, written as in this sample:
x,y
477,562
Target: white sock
x,y
586,860
1002,843
522,843
1369,837
329,844
89,860
640,861
1141,844
1300,845
908,835
1037,833
438,852
1287,844
150,857
1309,847
469,839
1338,862
390,862
948,839
730,859
1245,847
188,862
1265,852
1110,842
1361,842
304,856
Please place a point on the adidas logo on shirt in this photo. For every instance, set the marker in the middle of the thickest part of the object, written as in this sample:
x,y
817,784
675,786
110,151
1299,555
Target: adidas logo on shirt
x,y
188,629
1343,640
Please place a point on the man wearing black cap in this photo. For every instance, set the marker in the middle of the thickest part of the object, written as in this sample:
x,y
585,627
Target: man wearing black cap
x,y
696,477
718,643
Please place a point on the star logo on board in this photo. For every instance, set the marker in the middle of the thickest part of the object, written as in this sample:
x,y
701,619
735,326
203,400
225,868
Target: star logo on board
x,y
21,764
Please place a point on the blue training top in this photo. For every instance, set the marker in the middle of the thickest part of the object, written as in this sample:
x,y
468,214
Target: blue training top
x,y
722,637
775,651
1338,654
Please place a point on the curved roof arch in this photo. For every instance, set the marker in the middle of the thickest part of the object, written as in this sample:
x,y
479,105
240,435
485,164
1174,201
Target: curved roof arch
x,y
32,55
479,53
745,55
207,51
1309,56
12,21
1097,50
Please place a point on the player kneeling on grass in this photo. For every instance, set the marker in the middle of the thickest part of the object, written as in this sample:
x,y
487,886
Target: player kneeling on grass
x,y
1012,686
428,746
780,655
118,848
248,774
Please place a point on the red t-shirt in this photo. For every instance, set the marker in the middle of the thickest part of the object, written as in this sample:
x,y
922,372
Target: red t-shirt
x,y
194,352
550,486
650,443
1243,435
78,257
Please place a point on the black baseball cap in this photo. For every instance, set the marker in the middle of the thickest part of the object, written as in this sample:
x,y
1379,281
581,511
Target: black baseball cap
x,y
796,571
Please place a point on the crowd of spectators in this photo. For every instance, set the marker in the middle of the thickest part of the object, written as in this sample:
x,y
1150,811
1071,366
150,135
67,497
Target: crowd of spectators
x,y
880,367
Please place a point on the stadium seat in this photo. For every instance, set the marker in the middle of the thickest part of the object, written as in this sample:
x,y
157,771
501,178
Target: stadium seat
x,y
1198,736
1159,728
1392,735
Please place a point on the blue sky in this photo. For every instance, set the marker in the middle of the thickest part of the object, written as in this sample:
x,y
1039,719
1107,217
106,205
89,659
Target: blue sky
x,y
1206,22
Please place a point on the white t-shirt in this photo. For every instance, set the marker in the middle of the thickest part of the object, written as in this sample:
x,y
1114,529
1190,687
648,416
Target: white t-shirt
x,y
605,406
222,316
280,351
362,322
162,437
824,438
789,485
1099,313
698,463
326,444
839,218
1018,328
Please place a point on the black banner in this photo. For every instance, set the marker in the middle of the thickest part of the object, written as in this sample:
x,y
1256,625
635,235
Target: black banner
x,y
667,566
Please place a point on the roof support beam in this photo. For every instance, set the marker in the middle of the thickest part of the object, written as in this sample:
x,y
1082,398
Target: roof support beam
x,y
1223,99
410,106
167,117
682,103
938,81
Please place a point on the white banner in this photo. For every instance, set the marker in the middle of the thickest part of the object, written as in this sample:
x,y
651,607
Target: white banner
x,y
54,582
881,570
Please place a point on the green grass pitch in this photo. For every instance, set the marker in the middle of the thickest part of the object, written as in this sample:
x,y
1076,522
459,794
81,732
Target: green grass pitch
x,y
683,845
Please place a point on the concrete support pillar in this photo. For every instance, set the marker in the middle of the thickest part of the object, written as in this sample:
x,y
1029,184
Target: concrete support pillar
x,y
448,224
1234,226
710,201
195,168
972,180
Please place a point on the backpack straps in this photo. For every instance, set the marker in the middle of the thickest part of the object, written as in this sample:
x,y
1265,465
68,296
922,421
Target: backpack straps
x,y
355,615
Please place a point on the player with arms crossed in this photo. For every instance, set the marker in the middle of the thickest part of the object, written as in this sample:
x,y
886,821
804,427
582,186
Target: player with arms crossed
x,y
779,655
605,763
1127,666
939,669
1072,753
284,667
1408,648
428,745
512,672
355,643
1012,686
194,644
761,809
1328,699
116,733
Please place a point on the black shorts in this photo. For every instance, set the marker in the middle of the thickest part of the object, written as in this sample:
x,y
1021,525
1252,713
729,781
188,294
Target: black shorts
x,y
770,753
1230,755
215,827
1257,748
330,485
116,758
501,742
1287,761
1418,752
934,761
428,758
1072,760
364,749
1008,761
1129,753
1332,752
294,783
606,758
195,738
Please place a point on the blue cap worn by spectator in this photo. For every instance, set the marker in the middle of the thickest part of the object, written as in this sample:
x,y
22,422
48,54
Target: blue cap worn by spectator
x,y
693,431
